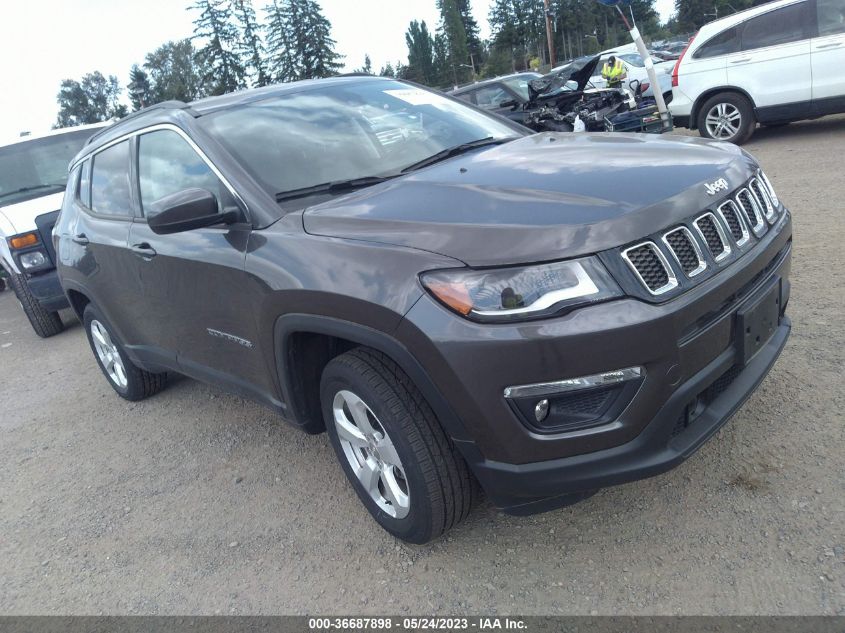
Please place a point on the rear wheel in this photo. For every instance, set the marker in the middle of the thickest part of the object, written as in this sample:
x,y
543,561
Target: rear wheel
x,y
128,380
389,443
727,117
44,322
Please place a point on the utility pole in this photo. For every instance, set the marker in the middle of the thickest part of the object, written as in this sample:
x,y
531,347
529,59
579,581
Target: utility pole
x,y
549,33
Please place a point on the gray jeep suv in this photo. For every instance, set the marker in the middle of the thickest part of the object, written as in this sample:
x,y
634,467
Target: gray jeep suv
x,y
445,293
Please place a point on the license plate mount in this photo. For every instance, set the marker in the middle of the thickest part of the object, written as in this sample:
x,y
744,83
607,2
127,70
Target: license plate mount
x,y
757,321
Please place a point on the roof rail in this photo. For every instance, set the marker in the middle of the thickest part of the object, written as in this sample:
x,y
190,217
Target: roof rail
x,y
173,104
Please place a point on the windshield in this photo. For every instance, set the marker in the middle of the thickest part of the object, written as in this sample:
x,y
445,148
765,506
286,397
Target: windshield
x,y
520,84
345,131
31,169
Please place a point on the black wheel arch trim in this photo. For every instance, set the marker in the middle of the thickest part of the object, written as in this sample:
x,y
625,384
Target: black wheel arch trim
x,y
290,324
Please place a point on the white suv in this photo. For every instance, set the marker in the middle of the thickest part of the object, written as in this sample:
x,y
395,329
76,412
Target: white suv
x,y
779,62
33,175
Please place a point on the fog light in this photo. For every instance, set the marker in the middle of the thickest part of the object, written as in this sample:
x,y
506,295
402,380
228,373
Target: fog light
x,y
33,260
541,410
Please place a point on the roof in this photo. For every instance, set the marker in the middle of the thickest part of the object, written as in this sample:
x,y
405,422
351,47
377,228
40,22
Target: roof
x,y
58,132
485,82
167,111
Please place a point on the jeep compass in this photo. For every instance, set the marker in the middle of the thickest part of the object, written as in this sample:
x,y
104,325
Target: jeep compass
x,y
443,292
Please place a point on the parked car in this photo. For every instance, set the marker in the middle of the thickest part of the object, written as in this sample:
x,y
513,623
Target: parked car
x,y
499,95
33,175
469,303
636,71
779,62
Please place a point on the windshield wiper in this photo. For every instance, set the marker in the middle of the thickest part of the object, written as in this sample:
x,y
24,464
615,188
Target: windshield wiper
x,y
54,185
457,149
332,187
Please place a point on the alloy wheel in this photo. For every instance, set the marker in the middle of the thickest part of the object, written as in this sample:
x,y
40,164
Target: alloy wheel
x,y
371,454
108,354
723,121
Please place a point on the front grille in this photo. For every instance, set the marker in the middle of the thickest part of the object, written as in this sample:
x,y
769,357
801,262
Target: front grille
x,y
762,195
682,245
713,236
752,211
729,212
649,264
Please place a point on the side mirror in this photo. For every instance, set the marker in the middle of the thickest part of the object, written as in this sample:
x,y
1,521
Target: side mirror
x,y
509,103
186,210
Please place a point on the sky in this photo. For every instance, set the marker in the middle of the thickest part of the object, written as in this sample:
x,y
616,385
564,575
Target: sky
x,y
45,41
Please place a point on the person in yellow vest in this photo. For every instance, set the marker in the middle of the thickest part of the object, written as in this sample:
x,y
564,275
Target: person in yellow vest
x,y
613,72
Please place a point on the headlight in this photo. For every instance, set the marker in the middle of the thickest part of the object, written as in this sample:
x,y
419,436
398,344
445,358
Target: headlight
x,y
530,292
33,260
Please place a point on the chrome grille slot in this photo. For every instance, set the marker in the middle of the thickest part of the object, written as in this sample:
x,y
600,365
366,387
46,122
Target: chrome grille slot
x,y
685,250
651,267
733,219
713,235
761,193
752,211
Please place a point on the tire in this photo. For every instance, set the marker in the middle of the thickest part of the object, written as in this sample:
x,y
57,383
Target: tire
x,y
439,490
129,381
739,124
44,322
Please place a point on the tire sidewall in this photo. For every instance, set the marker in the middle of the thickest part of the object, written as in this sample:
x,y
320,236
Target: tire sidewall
x,y
132,389
416,526
746,128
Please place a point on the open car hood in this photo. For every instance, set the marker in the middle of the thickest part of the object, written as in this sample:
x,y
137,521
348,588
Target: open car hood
x,y
579,71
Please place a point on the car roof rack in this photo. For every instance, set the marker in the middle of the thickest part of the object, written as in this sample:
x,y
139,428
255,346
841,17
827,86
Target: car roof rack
x,y
172,104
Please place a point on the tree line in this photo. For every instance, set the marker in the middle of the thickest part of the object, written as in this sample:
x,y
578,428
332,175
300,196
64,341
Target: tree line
x,y
291,40
232,47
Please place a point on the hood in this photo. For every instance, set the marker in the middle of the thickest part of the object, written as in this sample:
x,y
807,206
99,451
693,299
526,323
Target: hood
x,y
578,71
542,197
22,214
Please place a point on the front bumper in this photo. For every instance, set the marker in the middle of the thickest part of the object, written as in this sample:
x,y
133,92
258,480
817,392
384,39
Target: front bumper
x,y
685,344
47,289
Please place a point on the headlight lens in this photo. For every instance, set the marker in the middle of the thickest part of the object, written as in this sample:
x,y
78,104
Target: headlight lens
x,y
33,260
513,294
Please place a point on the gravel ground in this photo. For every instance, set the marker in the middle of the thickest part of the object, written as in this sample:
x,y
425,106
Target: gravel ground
x,y
199,502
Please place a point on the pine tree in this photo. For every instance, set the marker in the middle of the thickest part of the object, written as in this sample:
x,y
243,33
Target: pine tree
x,y
387,70
281,62
140,90
473,34
316,46
367,68
451,28
420,66
224,68
250,48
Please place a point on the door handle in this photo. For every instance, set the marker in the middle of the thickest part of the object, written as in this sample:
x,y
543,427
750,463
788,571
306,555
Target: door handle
x,y
831,45
741,61
143,250
80,238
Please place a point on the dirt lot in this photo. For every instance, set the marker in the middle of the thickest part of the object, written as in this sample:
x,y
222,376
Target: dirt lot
x,y
199,502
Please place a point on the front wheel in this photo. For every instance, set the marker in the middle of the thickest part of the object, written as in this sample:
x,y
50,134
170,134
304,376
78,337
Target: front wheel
x,y
727,117
128,380
401,464
44,322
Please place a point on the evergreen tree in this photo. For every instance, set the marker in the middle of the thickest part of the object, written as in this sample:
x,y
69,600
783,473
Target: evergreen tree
x,y
91,100
250,48
225,73
420,66
387,70
317,48
454,35
473,34
174,73
367,68
281,62
140,90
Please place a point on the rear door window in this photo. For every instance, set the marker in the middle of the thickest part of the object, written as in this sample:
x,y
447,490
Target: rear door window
x,y
831,16
724,43
110,181
781,26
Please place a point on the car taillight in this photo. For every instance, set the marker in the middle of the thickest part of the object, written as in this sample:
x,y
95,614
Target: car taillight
x,y
678,63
